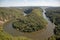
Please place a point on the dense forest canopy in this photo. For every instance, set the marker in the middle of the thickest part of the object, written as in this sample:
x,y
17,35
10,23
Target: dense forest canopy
x,y
33,21
54,15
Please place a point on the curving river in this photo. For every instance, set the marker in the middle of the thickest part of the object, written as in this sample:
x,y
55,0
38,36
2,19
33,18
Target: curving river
x,y
38,35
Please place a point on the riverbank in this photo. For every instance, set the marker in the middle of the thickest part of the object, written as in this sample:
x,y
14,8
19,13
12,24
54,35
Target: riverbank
x,y
54,15
37,17
6,36
43,34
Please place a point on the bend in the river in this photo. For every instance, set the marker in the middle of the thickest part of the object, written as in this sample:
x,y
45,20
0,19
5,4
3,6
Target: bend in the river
x,y
39,35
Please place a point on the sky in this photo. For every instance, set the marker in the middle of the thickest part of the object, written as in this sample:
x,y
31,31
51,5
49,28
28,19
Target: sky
x,y
8,3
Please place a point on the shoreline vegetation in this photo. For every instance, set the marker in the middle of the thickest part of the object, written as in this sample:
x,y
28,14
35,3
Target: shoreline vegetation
x,y
6,14
7,36
4,18
54,15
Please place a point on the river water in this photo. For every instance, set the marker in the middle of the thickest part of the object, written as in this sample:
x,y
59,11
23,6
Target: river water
x,y
43,34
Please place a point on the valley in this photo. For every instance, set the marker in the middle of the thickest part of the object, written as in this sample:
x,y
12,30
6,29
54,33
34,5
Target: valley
x,y
35,25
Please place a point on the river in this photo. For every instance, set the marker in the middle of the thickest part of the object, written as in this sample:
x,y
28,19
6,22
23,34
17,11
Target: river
x,y
43,34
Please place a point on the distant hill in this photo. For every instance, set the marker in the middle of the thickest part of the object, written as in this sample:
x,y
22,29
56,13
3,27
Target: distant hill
x,y
56,9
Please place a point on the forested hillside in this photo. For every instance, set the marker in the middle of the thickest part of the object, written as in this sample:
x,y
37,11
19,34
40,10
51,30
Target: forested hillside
x,y
9,13
33,21
54,15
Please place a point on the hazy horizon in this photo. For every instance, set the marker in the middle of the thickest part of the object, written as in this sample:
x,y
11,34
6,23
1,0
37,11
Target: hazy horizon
x,y
13,3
